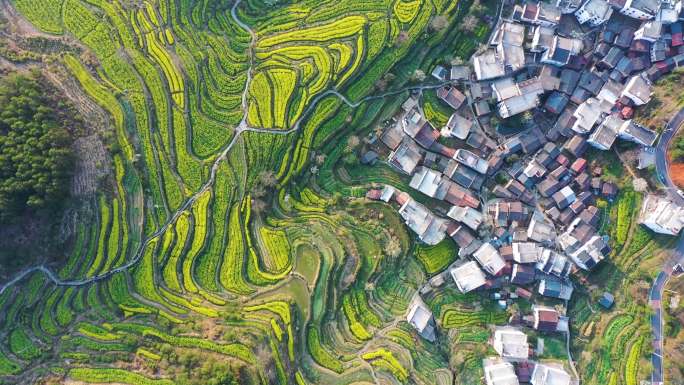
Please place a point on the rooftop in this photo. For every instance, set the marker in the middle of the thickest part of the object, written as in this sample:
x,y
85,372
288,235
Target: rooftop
x,y
468,276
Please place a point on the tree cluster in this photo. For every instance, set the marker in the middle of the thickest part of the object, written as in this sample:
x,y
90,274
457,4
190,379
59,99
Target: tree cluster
x,y
35,154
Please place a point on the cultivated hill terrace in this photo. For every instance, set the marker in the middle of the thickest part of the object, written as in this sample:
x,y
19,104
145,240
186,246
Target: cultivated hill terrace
x,y
351,192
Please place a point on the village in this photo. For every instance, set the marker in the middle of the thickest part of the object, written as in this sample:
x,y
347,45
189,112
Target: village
x,y
571,74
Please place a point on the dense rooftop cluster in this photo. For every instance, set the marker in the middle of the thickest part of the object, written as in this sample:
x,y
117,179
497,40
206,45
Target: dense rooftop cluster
x,y
575,71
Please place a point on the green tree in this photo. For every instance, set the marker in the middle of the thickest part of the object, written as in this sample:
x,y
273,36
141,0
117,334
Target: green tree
x,y
35,155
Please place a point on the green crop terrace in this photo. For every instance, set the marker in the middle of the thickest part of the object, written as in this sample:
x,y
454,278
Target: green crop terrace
x,y
231,244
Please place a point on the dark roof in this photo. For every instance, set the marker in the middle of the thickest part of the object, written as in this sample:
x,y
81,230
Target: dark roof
x,y
612,57
591,82
582,181
624,38
580,95
624,66
576,207
553,213
563,125
552,149
460,234
640,46
583,232
427,135
607,300
640,63
369,157
506,252
543,158
590,215
568,80
556,102
576,145
566,216
609,190
522,274
608,36
601,49
532,140
548,320
586,198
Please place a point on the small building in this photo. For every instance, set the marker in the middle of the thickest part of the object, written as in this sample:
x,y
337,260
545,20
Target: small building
x,y
661,215
578,166
555,288
488,257
552,262
640,9
587,115
524,252
429,228
590,216
471,160
541,231
556,102
605,134
451,96
607,300
522,274
561,50
406,157
463,237
426,180
457,127
482,108
369,158
549,186
635,132
546,319
515,98
459,72
649,31
609,191
463,175
440,73
468,277
420,317
488,65
594,12
466,215
499,372
564,197
638,89
568,81
511,343
540,13
549,374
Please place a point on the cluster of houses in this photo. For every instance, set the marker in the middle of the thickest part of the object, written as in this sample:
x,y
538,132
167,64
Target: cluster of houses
x,y
574,71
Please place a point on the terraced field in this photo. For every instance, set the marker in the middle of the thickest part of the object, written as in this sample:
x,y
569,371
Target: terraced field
x,y
230,244
612,345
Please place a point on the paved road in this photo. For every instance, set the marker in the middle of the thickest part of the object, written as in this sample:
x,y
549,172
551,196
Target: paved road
x,y
656,295
662,169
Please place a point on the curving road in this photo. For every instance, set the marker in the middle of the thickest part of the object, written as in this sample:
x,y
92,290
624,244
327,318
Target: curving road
x,y
662,167
656,294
